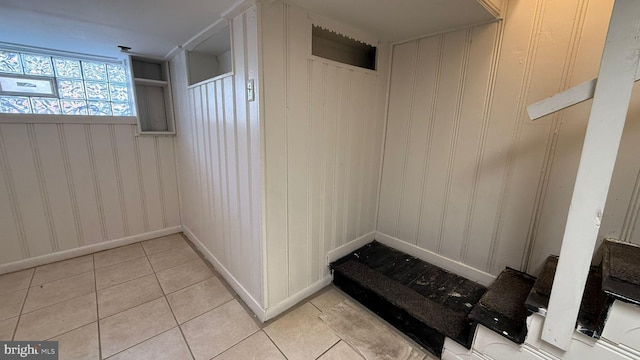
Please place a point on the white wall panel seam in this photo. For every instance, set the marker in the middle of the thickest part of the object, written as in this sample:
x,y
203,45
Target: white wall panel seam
x,y
286,63
309,135
37,161
407,143
480,152
160,182
512,151
431,121
454,139
632,213
15,205
66,162
345,196
136,147
96,182
116,163
553,137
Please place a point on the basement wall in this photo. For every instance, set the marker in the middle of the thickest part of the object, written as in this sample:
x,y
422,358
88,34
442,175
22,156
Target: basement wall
x,y
467,177
219,162
323,131
68,189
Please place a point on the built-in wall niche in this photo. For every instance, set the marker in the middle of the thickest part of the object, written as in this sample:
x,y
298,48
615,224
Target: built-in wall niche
x,y
153,96
337,47
211,58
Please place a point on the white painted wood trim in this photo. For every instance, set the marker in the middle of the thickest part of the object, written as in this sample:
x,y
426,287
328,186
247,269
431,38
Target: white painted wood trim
x,y
85,250
604,131
577,94
292,300
235,284
451,265
213,79
238,8
436,33
349,247
66,119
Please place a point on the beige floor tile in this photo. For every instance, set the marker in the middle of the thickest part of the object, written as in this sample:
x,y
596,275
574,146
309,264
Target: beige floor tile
x,y
371,336
123,272
169,345
328,299
62,269
11,303
79,344
184,275
217,330
118,255
255,347
164,243
198,299
301,335
171,258
341,351
57,319
124,296
123,330
7,327
58,291
15,281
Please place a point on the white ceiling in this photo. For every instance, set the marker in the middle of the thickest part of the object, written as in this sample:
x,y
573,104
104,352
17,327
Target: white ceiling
x,y
151,27
155,27
399,20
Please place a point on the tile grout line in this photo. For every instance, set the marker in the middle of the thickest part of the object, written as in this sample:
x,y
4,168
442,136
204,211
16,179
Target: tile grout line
x,y
15,328
172,312
330,347
274,344
95,285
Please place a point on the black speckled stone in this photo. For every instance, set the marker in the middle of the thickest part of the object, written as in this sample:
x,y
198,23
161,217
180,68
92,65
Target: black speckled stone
x,y
593,308
502,308
424,301
621,271
539,296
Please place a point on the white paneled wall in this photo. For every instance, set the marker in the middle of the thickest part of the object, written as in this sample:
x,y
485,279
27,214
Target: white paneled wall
x,y
323,128
219,159
466,174
66,186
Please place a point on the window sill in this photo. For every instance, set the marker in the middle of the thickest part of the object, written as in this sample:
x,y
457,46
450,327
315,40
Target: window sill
x,y
66,119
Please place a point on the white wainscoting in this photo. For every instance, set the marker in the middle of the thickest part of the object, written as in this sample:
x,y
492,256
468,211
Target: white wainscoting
x,y
466,174
219,161
66,186
323,128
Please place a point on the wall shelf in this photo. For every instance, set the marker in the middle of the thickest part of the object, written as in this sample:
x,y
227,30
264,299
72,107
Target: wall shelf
x,y
153,96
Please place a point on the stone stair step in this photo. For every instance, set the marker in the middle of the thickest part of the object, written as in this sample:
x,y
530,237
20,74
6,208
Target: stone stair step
x,y
502,308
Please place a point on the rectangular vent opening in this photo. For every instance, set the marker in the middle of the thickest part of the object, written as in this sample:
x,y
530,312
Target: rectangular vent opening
x,y
336,47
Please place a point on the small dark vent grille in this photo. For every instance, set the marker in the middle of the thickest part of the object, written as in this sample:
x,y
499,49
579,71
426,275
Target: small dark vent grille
x,y
336,47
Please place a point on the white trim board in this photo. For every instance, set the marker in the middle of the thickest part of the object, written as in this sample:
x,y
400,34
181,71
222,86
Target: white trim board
x,y
235,284
451,265
350,247
85,250
292,300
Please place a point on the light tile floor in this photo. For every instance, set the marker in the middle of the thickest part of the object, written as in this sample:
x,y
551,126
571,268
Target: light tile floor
x,y
158,299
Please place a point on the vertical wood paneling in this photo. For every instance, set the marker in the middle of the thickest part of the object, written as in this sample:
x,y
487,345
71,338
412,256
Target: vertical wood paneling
x,y
63,186
22,171
497,186
220,176
323,133
56,182
101,152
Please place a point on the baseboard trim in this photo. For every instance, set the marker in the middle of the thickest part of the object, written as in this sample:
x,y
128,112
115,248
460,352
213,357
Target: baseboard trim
x,y
349,247
287,303
84,250
235,284
451,265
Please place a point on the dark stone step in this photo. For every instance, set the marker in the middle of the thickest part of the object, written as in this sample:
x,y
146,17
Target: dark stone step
x,y
594,307
621,271
502,307
424,301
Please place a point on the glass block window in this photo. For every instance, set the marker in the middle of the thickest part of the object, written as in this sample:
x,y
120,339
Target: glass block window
x,y
36,83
